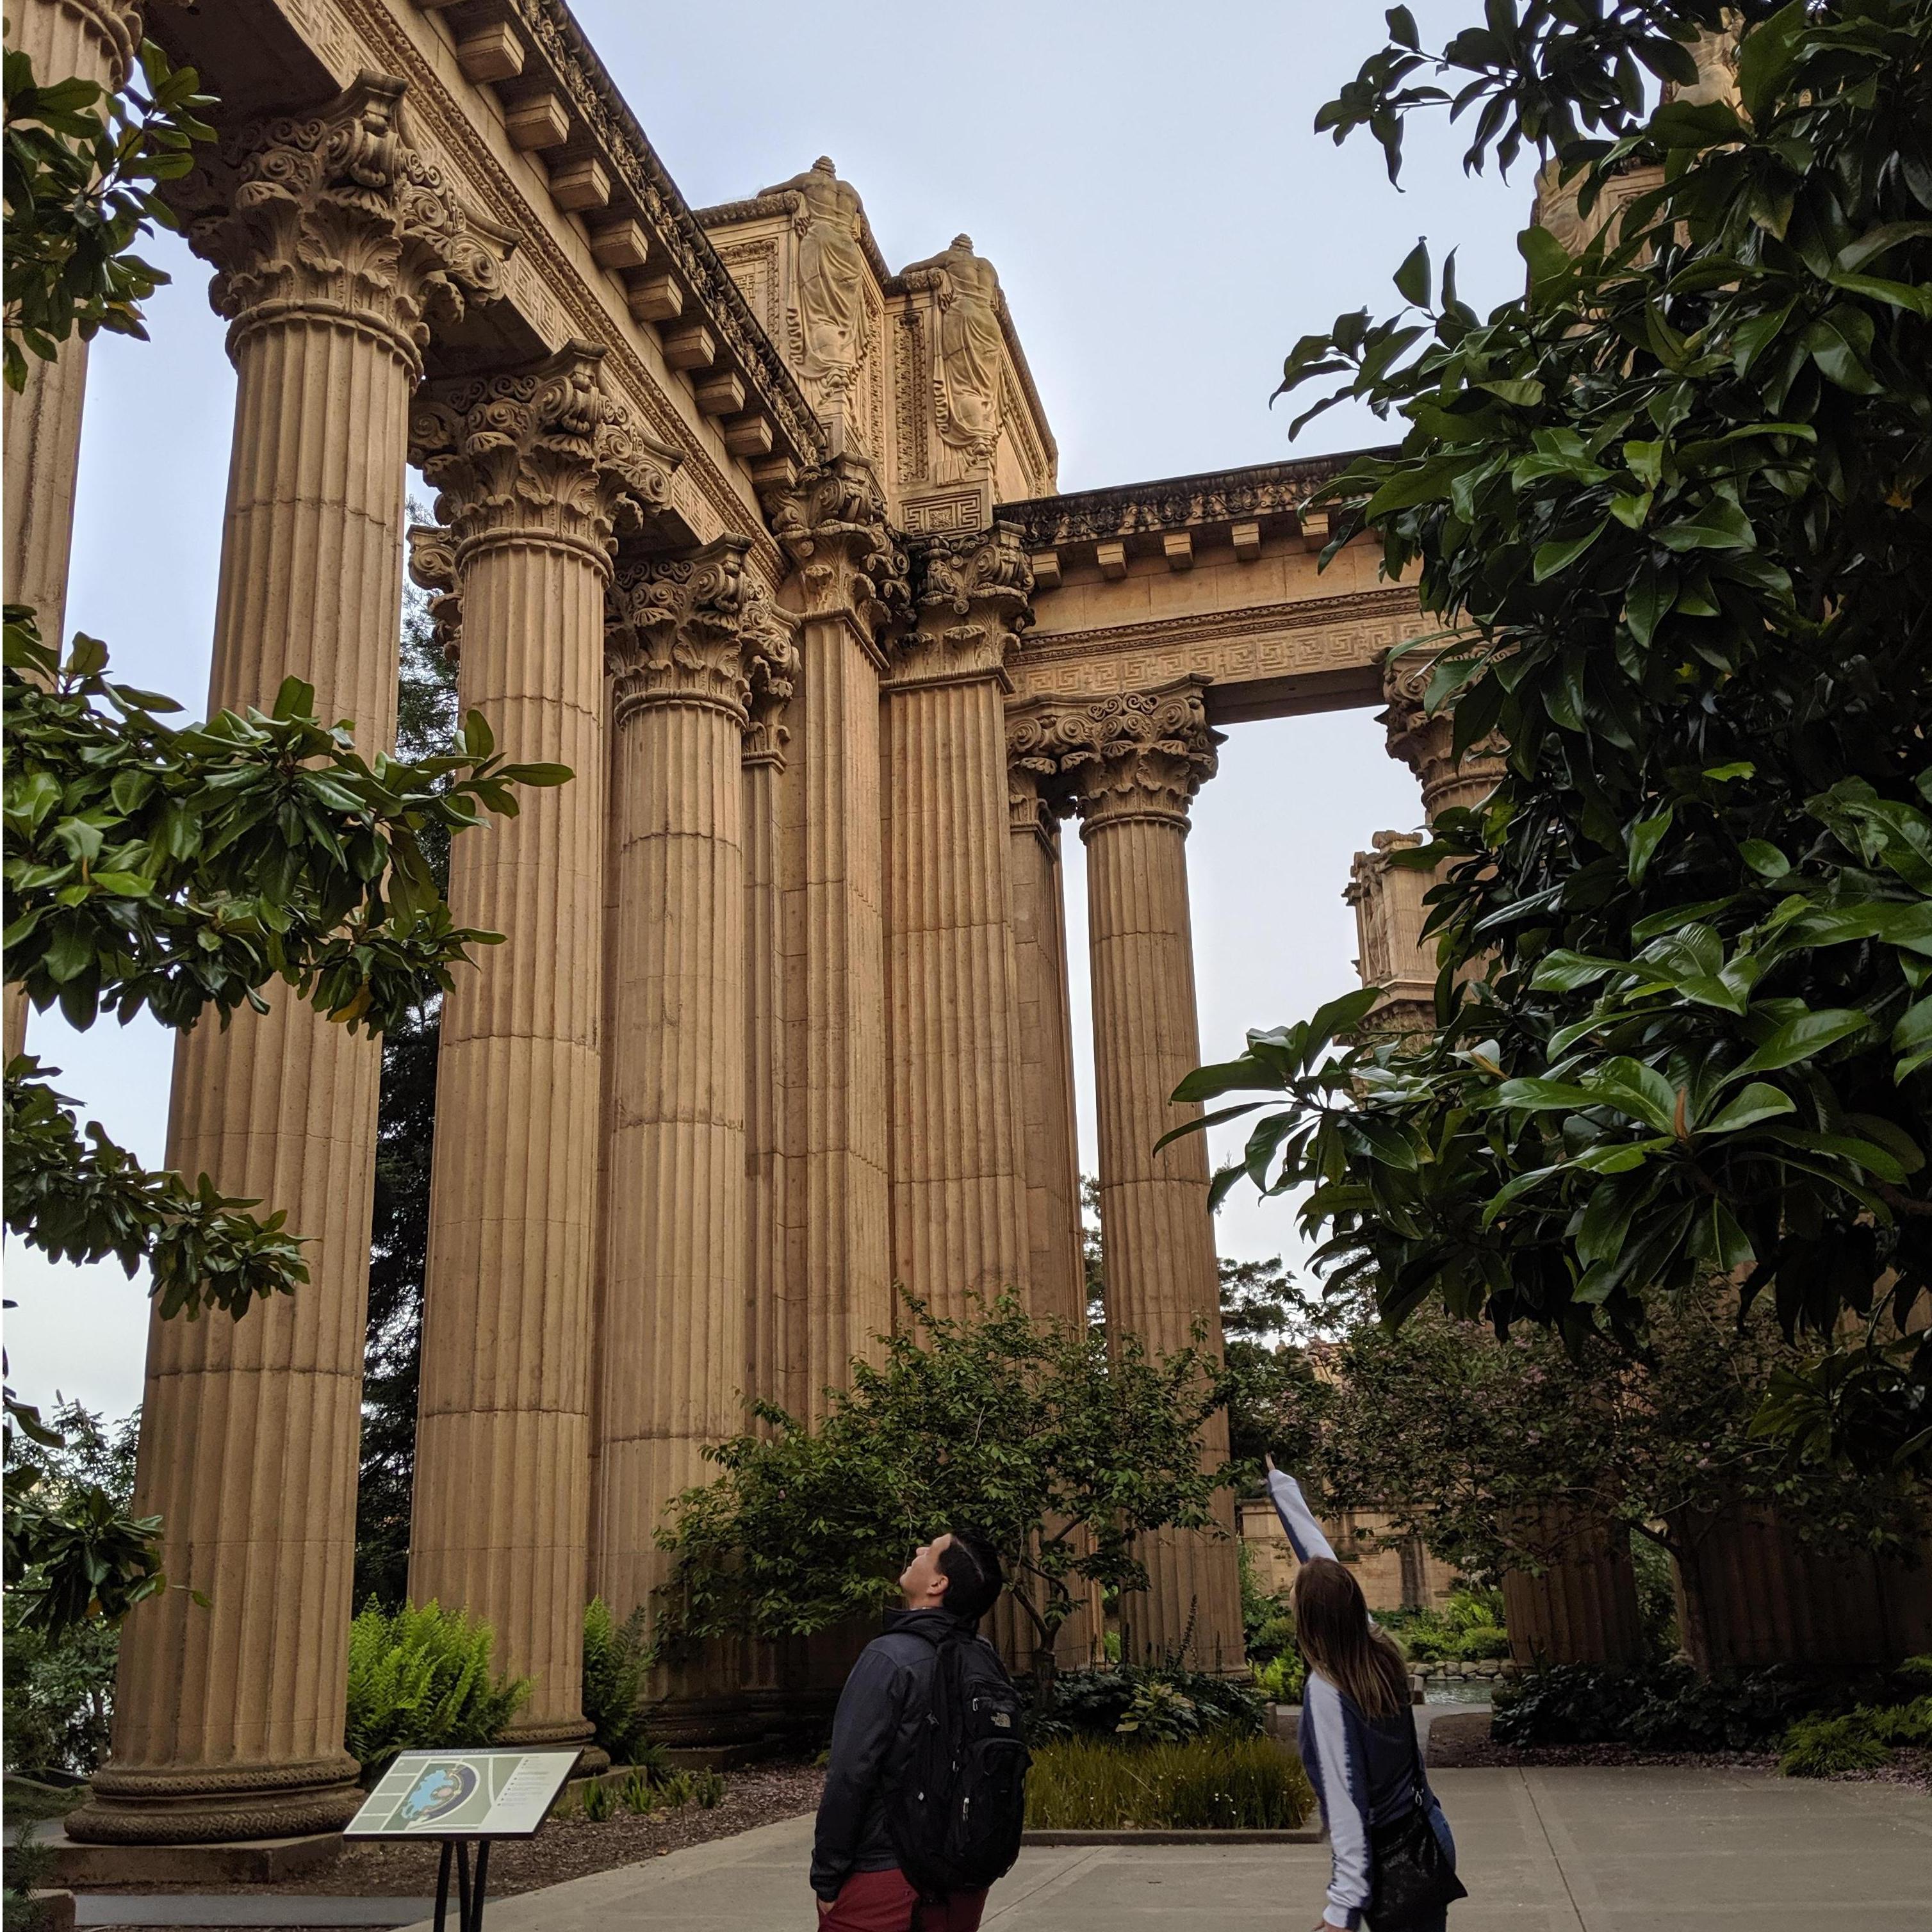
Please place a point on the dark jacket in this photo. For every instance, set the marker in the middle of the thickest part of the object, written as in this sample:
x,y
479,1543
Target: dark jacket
x,y
884,1702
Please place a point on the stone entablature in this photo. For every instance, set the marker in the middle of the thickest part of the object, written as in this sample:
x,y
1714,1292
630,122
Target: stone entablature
x,y
1267,500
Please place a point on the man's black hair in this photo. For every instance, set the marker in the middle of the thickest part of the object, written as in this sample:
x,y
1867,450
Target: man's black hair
x,y
973,1579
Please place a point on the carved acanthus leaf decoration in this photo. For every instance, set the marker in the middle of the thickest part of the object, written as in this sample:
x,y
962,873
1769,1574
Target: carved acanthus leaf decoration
x,y
833,524
699,630
1425,741
336,211
1142,755
545,451
970,594
770,646
432,554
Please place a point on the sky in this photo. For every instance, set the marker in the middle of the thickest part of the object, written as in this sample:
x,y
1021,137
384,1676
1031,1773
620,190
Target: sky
x,y
1165,225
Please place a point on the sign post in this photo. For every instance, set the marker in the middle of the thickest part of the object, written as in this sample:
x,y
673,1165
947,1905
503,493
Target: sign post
x,y
464,1798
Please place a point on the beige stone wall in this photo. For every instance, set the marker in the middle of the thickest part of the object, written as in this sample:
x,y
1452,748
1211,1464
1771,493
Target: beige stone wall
x,y
1392,1578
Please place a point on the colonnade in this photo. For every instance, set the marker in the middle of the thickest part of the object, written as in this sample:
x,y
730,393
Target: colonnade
x,y
781,1020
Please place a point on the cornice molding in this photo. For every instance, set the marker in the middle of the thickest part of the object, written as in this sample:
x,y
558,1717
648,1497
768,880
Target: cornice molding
x,y
675,229
1172,502
559,278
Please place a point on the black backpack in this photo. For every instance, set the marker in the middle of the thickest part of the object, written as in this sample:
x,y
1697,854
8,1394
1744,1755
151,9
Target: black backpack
x,y
956,1811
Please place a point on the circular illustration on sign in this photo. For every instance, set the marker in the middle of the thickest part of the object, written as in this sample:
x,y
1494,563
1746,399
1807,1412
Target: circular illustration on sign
x,y
439,1789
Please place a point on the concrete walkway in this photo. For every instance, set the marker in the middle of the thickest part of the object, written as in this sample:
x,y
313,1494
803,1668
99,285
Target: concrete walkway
x,y
1541,1851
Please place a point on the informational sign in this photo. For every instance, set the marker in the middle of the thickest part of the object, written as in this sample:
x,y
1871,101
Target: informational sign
x,y
463,1794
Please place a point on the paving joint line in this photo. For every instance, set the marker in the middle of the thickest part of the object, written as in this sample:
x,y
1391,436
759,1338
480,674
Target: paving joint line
x,y
1555,1857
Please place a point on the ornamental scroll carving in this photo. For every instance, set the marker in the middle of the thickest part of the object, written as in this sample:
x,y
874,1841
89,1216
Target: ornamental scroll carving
x,y
830,324
335,212
116,25
1142,755
1425,741
432,565
699,630
833,524
544,452
970,596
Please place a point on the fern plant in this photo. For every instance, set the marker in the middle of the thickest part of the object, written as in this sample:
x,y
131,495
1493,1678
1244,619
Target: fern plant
x,y
617,1659
420,1679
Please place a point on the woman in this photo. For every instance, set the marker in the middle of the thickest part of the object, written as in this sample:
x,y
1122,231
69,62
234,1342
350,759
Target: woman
x,y
1357,1730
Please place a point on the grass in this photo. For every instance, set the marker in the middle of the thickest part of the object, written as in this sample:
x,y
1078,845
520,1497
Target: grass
x,y
1210,1783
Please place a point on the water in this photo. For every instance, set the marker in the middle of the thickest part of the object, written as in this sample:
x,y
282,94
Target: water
x,y
1473,1691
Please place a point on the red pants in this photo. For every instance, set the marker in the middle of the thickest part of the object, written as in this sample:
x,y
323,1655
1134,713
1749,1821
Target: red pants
x,y
882,1901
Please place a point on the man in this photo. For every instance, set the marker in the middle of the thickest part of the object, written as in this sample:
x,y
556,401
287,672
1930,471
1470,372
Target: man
x,y
952,1581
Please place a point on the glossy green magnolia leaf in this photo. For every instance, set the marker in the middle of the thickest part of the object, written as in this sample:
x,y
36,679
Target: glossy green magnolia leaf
x,y
1802,1039
1759,1101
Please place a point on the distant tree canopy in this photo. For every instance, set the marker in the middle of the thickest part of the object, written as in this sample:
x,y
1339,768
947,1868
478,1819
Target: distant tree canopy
x,y
1670,511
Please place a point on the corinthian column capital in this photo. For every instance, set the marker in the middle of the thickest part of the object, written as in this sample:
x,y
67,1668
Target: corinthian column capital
x,y
1143,755
1425,741
833,524
970,594
699,630
335,213
114,25
544,454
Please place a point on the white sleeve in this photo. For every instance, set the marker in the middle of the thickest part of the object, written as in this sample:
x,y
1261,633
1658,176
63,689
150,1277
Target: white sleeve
x,y
1344,1804
1304,1533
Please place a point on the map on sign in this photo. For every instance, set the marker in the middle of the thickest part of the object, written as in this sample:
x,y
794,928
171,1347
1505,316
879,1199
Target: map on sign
x,y
481,1794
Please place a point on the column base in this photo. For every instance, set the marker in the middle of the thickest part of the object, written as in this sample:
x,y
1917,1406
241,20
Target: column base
x,y
560,1733
213,1806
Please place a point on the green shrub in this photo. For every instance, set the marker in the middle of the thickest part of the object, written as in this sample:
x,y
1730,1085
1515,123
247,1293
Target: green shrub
x,y
616,1672
420,1679
1483,1641
1215,1783
1161,1702
1817,1747
708,1787
1664,1707
639,1794
1281,1680
600,1800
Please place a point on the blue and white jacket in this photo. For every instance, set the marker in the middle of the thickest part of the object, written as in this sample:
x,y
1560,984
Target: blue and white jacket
x,y
1362,1767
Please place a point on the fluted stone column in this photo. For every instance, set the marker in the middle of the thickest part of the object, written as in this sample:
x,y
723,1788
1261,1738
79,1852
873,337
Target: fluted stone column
x,y
1135,762
1055,1264
228,1719
78,40
836,1285
537,471
959,1211
81,40
767,1169
684,636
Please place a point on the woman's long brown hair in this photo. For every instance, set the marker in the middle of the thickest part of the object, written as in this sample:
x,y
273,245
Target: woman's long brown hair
x,y
1332,1626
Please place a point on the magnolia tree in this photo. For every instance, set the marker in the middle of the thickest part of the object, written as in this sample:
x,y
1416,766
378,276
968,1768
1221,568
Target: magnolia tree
x,y
1059,1451
1669,511
1496,1450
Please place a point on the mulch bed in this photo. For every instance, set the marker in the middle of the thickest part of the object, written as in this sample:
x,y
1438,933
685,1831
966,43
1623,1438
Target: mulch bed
x,y
566,1848
1462,1743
